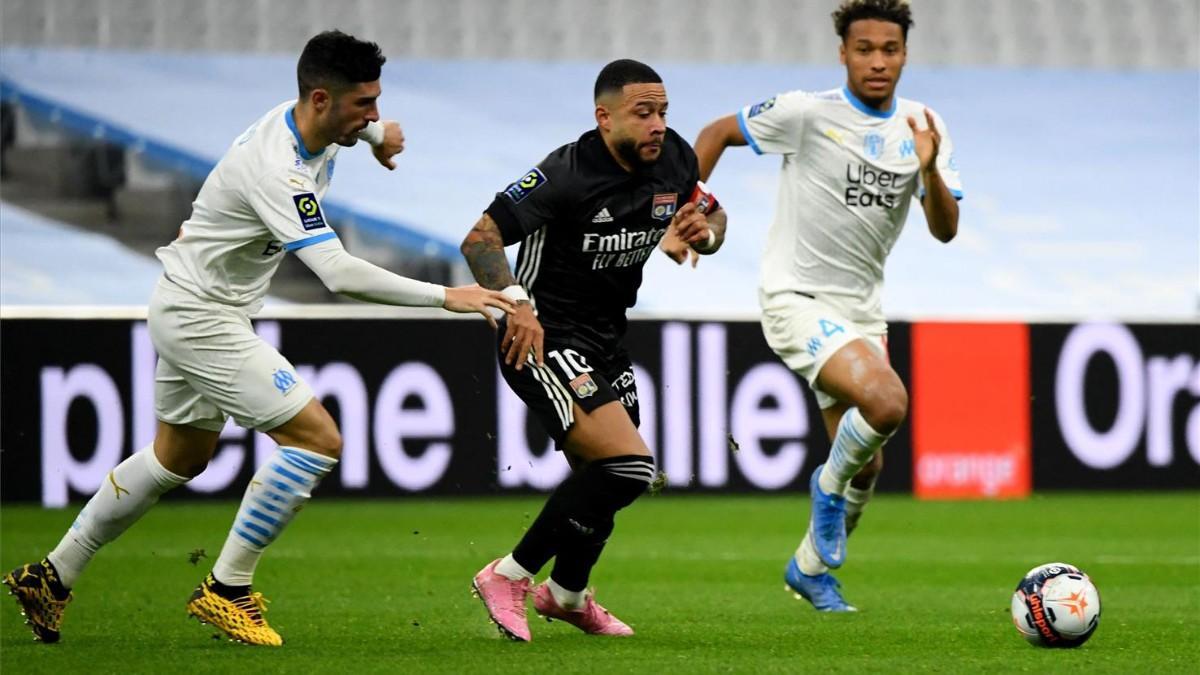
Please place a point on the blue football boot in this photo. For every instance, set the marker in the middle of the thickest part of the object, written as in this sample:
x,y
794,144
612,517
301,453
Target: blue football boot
x,y
827,524
821,590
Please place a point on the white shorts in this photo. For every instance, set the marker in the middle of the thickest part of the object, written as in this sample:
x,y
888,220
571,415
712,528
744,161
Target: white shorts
x,y
805,332
212,366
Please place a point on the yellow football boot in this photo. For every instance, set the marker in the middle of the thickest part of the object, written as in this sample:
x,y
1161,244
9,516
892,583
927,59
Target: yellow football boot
x,y
42,598
241,618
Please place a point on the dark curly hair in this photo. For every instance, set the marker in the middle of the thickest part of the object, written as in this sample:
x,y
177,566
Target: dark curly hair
x,y
335,60
894,11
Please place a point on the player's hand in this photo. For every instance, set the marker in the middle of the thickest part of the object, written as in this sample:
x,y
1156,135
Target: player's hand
x,y
467,299
392,145
524,333
927,140
676,249
690,225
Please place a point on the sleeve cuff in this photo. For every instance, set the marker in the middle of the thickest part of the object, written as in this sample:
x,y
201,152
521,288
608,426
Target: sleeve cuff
x,y
957,194
506,220
741,118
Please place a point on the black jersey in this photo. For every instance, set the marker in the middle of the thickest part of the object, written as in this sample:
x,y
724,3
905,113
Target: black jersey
x,y
586,227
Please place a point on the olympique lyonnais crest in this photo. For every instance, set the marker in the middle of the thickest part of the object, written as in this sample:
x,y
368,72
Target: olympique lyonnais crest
x,y
663,207
584,386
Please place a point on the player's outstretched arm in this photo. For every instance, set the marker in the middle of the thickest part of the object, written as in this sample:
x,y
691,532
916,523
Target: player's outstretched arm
x,y
483,248
356,278
712,141
941,208
475,298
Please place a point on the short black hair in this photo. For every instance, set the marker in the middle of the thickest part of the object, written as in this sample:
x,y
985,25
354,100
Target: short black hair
x,y
335,60
893,11
616,75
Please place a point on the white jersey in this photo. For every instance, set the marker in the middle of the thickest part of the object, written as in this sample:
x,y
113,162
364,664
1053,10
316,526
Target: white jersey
x,y
849,175
262,199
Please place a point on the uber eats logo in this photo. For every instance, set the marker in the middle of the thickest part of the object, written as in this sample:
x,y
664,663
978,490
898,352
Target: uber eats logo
x,y
309,211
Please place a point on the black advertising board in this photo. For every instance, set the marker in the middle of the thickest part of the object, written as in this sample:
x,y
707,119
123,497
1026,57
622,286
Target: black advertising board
x,y
1115,406
421,408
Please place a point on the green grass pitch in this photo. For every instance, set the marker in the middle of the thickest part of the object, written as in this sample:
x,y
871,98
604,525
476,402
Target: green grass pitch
x,y
383,586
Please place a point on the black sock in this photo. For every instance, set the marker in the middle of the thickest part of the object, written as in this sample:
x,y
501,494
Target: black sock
x,y
611,485
57,589
540,542
228,592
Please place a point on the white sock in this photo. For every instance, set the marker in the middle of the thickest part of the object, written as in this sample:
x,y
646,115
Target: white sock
x,y
128,491
808,560
568,600
510,568
279,489
856,501
853,446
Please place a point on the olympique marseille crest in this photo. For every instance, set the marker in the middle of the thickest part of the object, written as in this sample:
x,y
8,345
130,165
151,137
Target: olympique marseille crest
x,y
584,386
664,206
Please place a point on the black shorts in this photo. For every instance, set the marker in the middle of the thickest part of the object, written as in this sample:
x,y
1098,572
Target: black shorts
x,y
571,375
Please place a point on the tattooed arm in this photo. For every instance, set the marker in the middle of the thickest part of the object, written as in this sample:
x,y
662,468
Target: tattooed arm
x,y
484,250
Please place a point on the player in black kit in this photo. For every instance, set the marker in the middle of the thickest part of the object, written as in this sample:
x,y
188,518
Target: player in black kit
x,y
587,218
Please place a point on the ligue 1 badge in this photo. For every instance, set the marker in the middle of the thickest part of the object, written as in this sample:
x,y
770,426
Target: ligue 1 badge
x,y
663,207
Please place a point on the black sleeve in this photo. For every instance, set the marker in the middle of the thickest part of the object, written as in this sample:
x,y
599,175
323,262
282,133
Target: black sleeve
x,y
534,200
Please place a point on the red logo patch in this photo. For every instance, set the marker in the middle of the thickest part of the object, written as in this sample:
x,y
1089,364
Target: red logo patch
x,y
584,386
663,206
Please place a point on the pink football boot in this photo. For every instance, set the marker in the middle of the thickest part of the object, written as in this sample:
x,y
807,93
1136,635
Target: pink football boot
x,y
592,619
504,600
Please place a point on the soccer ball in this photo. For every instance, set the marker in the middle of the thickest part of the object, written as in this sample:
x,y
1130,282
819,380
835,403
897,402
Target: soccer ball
x,y
1056,605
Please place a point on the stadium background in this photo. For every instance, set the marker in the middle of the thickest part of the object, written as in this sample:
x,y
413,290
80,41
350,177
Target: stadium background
x,y
1054,345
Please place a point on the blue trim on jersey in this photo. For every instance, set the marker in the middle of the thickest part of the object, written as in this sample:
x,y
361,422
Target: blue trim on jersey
x,y
957,194
866,109
302,243
290,117
746,133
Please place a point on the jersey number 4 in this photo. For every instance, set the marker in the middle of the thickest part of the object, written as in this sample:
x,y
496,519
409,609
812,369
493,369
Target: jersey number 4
x,y
830,328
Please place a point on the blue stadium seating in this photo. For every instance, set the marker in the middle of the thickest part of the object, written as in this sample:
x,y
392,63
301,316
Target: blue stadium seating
x,y
1082,186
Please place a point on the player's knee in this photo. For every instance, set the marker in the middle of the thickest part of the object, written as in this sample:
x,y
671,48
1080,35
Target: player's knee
x,y
886,411
191,467
626,477
189,463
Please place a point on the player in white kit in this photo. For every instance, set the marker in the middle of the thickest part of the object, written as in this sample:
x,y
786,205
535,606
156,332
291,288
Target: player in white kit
x,y
261,200
853,159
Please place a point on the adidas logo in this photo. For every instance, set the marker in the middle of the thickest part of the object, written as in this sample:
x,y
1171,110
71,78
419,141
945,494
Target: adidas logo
x,y
602,217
